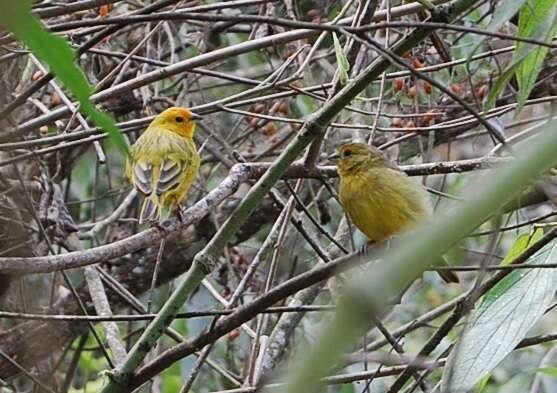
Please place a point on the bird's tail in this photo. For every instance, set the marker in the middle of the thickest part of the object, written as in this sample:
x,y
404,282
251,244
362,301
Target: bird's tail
x,y
447,275
150,209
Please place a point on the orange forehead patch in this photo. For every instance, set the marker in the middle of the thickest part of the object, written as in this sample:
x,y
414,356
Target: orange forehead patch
x,y
175,111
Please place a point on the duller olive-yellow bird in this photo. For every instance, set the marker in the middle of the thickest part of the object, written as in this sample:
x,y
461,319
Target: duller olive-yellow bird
x,y
164,162
380,199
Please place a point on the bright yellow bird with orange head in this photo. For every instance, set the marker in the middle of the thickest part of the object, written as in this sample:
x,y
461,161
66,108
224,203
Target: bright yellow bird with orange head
x,y
164,162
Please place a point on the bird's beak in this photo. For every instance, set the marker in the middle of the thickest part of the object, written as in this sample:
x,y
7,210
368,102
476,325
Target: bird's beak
x,y
333,157
195,116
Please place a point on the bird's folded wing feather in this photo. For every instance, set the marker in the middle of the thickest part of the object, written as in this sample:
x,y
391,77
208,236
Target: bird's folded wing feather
x,y
169,175
142,173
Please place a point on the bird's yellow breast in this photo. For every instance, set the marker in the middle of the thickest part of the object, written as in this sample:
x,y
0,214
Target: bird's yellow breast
x,y
382,202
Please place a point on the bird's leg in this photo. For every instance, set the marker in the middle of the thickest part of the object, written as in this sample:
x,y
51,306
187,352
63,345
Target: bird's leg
x,y
161,227
363,250
179,213
387,243
377,247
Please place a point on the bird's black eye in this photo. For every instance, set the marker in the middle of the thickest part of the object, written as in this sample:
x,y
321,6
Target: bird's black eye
x,y
179,119
347,153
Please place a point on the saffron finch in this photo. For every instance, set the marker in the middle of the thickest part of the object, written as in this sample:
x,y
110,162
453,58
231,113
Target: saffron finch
x,y
164,162
380,199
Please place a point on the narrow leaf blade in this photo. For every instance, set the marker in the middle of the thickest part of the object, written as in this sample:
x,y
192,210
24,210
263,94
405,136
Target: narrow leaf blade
x,y
342,61
59,56
536,20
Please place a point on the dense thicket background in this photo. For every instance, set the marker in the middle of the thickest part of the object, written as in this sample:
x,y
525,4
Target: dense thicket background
x,y
256,70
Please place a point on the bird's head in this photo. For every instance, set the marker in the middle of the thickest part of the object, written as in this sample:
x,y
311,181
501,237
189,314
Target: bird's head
x,y
359,156
178,120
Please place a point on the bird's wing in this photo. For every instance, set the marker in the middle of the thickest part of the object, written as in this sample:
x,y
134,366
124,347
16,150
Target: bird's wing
x,y
142,172
171,171
158,178
160,161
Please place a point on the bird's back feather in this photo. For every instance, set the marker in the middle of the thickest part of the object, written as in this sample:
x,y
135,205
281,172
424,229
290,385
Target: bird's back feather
x,y
383,202
163,166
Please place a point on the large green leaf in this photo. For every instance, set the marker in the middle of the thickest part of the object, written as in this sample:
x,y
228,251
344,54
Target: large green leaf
x,y
60,58
539,20
507,313
535,16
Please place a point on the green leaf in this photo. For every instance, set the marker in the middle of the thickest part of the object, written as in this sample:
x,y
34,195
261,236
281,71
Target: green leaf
x,y
523,241
348,388
504,12
483,383
55,52
503,319
519,56
342,61
538,19
172,379
500,84
528,58
549,371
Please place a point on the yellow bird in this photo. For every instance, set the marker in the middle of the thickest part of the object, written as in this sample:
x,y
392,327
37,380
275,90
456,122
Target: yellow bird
x,y
380,199
164,162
